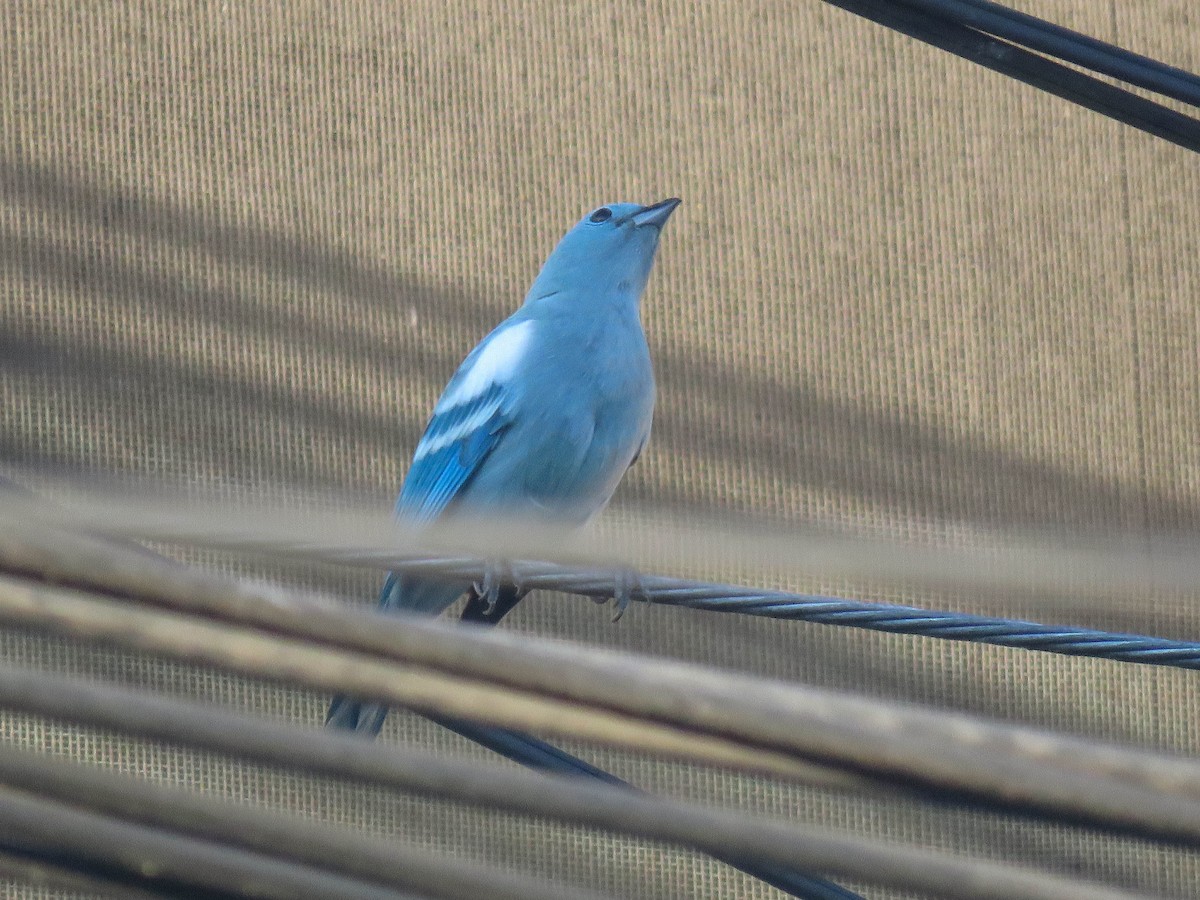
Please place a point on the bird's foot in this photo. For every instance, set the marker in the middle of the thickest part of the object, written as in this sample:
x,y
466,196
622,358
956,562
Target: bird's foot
x,y
496,575
627,584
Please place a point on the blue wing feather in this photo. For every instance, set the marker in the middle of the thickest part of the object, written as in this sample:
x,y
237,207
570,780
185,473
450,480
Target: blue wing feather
x,y
437,476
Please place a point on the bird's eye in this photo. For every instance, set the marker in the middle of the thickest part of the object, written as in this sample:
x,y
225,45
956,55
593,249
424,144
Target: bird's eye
x,y
603,214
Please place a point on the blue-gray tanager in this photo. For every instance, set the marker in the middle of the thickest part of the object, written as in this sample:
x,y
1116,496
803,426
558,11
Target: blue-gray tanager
x,y
542,419
544,416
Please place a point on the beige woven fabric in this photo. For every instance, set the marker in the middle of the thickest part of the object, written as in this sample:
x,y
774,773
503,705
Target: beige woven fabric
x,y
243,246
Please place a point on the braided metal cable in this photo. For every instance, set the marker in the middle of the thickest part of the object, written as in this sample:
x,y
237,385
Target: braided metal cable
x,y
873,616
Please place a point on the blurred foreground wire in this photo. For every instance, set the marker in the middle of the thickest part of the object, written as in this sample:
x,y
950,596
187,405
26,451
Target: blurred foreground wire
x,y
763,721
790,881
651,705
566,799
648,705
681,711
1100,570
49,875
122,854
1095,571
184,822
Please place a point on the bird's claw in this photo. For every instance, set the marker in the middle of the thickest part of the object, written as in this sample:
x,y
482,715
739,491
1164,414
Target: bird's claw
x,y
496,574
627,584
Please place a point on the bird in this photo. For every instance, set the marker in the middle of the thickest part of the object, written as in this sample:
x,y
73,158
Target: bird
x,y
543,417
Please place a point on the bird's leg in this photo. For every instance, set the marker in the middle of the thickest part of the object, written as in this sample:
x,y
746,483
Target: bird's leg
x,y
496,575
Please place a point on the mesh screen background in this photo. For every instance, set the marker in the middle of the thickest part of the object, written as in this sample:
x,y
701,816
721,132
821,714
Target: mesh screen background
x,y
243,247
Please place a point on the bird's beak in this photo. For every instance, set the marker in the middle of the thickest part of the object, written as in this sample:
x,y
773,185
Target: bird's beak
x,y
656,214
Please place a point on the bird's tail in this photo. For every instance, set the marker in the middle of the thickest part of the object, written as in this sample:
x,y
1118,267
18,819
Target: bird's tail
x,y
415,595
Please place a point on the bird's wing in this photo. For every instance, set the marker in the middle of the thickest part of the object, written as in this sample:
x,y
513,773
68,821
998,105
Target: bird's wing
x,y
456,443
467,423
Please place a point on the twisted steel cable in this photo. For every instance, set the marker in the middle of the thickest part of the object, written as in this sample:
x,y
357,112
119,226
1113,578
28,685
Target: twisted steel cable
x,y
825,610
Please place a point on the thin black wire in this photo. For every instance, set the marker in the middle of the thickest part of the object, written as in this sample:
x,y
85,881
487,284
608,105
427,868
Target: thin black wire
x,y
542,756
1009,58
1067,45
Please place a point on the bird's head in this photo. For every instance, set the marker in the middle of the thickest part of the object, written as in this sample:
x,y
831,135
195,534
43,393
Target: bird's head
x,y
609,252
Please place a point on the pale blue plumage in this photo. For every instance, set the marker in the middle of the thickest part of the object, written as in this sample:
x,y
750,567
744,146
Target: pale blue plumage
x,y
545,415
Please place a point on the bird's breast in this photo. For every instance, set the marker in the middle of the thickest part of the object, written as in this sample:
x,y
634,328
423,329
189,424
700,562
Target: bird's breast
x,y
584,412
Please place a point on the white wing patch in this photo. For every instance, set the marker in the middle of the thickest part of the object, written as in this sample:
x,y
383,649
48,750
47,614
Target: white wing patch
x,y
496,363
432,443
476,392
